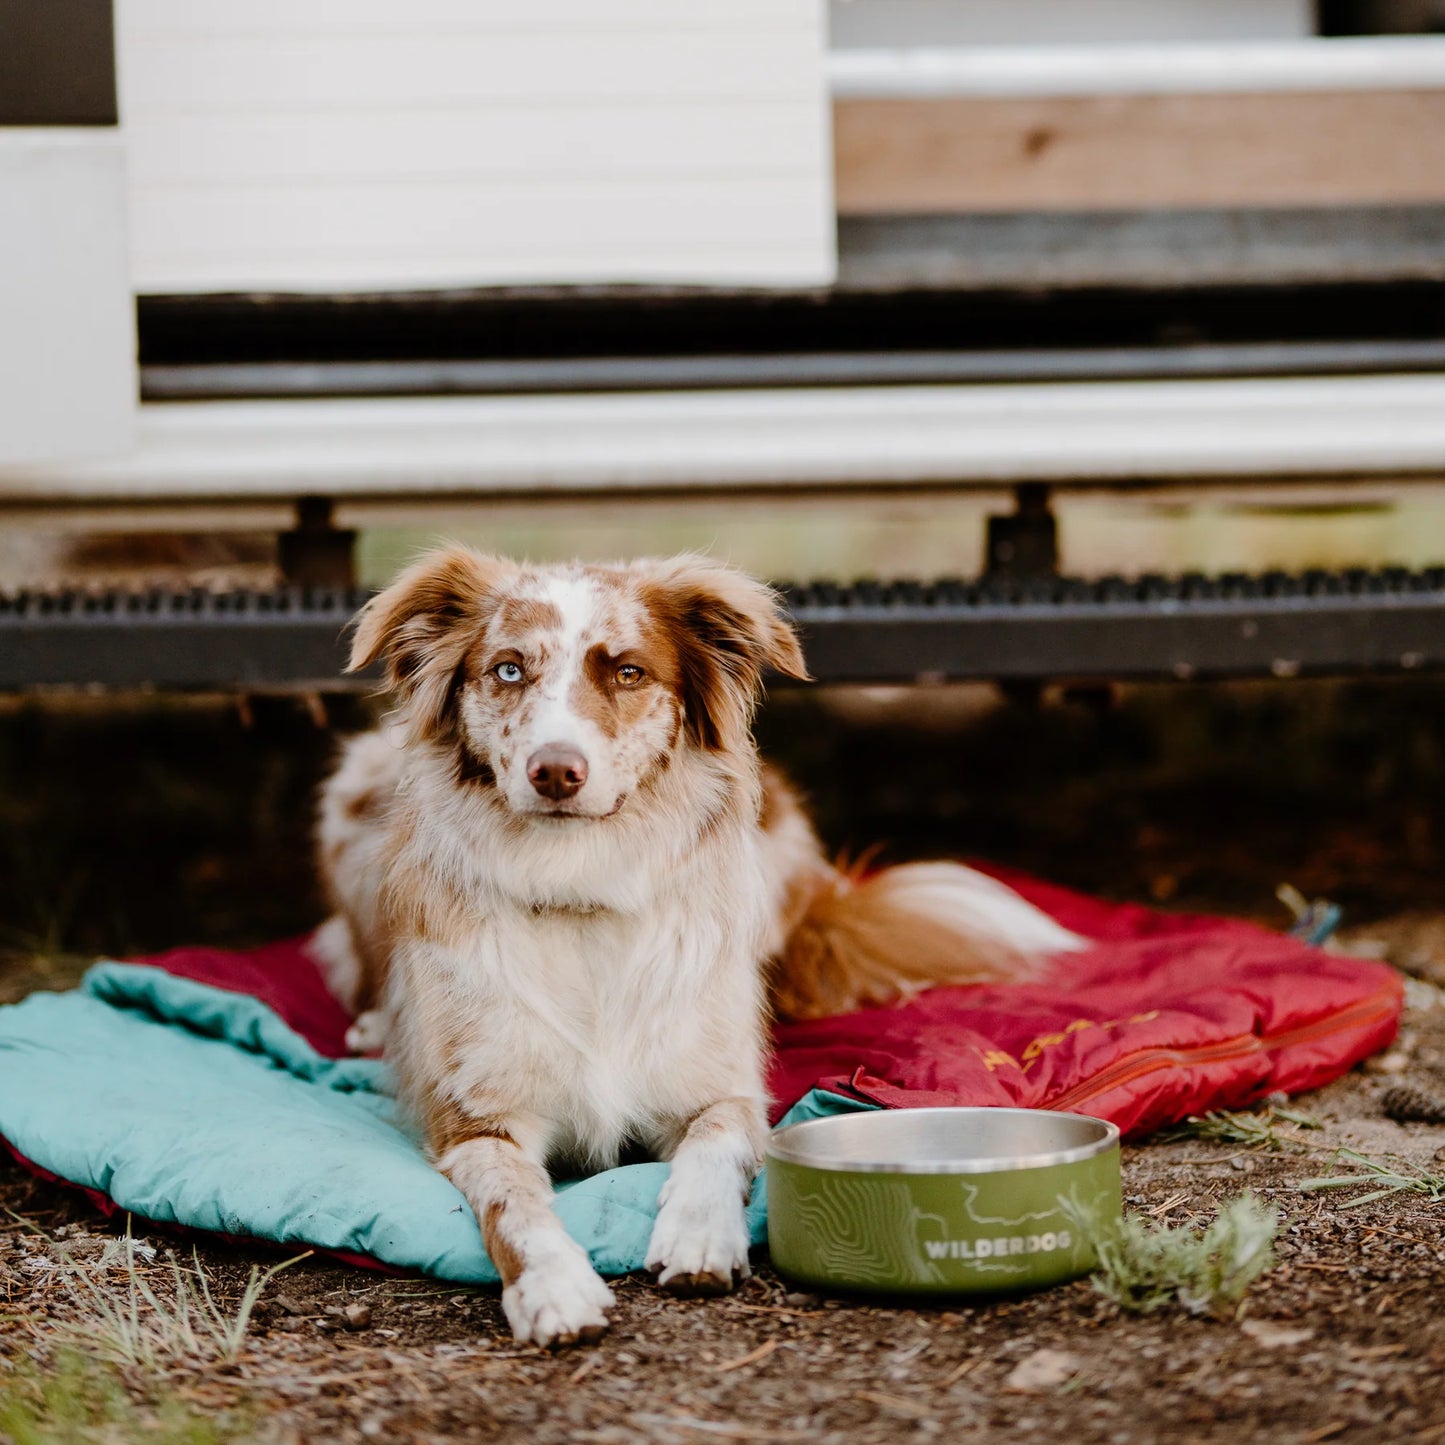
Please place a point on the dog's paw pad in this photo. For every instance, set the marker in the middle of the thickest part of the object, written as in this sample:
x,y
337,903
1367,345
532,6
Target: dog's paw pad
x,y
590,1334
704,1285
550,1332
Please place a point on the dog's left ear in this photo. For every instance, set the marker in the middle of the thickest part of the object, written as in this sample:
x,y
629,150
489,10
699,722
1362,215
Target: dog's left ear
x,y
729,629
422,625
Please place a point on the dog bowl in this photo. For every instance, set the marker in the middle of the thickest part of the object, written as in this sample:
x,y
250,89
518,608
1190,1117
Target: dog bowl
x,y
940,1201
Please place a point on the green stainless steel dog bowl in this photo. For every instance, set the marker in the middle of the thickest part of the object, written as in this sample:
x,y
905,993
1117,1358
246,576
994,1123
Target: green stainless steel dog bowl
x,y
940,1201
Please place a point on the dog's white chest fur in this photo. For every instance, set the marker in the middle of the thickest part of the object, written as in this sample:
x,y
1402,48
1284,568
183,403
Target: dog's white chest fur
x,y
600,1024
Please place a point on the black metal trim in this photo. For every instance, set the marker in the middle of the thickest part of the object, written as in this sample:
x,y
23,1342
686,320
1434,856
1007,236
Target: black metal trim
x,y
57,63
1319,623
1275,624
645,328
811,369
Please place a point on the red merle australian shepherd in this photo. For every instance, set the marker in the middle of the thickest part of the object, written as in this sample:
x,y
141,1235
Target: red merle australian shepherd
x,y
568,898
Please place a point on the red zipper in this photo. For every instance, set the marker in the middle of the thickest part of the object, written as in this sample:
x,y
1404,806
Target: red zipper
x,y
1149,1061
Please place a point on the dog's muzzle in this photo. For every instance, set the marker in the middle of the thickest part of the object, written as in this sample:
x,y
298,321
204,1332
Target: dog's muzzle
x,y
557,771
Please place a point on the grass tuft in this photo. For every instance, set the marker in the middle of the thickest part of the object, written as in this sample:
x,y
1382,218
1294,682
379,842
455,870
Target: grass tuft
x,y
1388,1178
139,1324
82,1401
1144,1267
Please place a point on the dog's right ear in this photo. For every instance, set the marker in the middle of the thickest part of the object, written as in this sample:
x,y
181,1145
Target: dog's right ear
x,y
422,625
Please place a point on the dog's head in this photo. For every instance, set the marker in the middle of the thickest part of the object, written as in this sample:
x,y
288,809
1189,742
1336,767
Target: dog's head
x,y
566,689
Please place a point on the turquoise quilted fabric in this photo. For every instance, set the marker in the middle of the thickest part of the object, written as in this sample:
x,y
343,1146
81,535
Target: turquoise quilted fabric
x,y
196,1106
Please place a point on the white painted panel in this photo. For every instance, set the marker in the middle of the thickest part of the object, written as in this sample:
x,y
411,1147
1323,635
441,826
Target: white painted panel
x,y
878,23
544,232
667,443
1376,62
505,143
491,16
316,145
261,73
67,321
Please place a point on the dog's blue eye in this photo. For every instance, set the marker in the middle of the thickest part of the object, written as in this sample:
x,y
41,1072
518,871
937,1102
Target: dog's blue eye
x,y
508,672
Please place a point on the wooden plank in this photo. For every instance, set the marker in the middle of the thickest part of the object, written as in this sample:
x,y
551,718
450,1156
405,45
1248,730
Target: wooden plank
x,y
962,154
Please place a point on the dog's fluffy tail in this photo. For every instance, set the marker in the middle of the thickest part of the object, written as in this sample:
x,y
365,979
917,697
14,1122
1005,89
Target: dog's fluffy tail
x,y
850,939
879,938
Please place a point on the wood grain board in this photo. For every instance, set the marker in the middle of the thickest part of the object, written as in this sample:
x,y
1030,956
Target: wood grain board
x,y
948,155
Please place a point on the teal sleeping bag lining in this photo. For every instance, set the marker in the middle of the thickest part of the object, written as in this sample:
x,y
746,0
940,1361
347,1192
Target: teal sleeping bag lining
x,y
196,1106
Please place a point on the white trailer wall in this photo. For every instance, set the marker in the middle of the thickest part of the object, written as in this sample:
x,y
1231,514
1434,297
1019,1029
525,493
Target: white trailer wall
x,y
67,328
371,144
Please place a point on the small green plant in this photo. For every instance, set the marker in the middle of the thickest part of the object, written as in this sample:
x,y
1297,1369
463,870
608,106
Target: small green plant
x,y
1143,1267
1246,1128
136,1323
1388,1178
81,1401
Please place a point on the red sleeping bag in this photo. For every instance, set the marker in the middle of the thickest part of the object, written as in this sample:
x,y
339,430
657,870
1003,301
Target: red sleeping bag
x,y
1165,1016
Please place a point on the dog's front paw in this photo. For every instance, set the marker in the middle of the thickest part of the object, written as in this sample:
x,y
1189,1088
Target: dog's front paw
x,y
557,1300
699,1247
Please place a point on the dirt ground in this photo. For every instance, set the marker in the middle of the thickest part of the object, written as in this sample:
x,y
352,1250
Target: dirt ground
x,y
123,830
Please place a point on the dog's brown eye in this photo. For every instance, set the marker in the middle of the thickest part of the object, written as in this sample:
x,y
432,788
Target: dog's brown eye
x,y
628,675
508,672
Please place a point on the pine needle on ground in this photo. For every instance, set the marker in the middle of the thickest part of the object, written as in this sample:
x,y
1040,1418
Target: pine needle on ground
x,y
1246,1127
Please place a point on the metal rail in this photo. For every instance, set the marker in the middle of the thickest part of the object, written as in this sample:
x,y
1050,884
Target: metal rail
x,y
214,381
1274,624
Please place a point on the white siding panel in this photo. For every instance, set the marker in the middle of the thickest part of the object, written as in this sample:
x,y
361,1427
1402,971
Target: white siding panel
x,y
552,233
310,145
491,16
67,322
257,73
501,143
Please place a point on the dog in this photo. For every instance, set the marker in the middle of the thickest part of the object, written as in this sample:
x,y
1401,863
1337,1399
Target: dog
x,y
567,896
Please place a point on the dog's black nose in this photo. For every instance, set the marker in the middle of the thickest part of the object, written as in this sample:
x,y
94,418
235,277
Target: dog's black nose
x,y
557,771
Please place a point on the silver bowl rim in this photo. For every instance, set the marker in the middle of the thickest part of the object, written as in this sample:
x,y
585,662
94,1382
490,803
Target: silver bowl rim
x,y
785,1145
